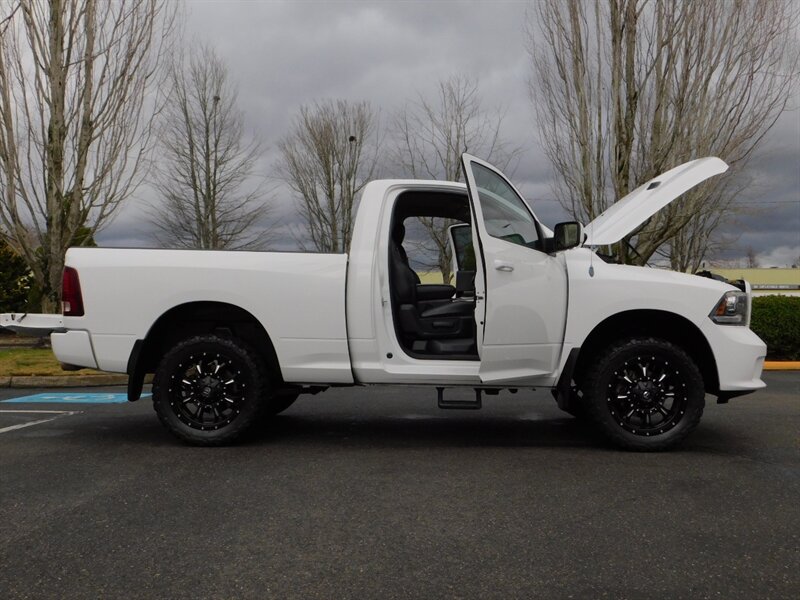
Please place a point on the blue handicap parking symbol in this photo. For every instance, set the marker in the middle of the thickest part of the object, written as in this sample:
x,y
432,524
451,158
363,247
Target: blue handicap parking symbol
x,y
68,398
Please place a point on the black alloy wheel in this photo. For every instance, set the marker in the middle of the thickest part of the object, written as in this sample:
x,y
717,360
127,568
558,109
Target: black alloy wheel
x,y
209,390
645,394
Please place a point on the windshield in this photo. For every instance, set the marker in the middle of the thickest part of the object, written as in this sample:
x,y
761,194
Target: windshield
x,y
505,215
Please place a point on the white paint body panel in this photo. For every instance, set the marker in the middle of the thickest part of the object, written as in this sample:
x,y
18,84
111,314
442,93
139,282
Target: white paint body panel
x,y
74,348
740,356
614,289
298,298
524,326
625,215
522,300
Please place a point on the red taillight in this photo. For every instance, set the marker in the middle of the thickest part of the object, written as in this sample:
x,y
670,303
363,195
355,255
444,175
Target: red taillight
x,y
71,299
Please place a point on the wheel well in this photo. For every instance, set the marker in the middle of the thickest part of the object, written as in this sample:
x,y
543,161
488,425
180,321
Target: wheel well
x,y
655,323
196,318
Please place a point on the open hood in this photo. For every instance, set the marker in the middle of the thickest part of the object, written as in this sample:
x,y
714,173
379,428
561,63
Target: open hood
x,y
625,215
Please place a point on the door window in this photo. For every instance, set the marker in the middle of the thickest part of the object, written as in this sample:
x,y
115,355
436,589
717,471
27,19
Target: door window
x,y
505,215
462,247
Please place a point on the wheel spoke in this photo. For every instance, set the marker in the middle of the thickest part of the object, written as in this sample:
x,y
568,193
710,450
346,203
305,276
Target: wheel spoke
x,y
209,391
644,394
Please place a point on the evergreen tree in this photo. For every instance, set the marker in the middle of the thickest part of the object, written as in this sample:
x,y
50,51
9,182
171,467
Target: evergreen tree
x,y
14,280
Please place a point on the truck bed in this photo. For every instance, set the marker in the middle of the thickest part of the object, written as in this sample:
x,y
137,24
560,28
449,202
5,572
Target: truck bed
x,y
298,298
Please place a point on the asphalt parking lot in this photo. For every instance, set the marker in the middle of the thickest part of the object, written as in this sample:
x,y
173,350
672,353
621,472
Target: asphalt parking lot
x,y
375,493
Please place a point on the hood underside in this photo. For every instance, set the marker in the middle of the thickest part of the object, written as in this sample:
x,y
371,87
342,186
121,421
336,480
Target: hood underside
x,y
628,213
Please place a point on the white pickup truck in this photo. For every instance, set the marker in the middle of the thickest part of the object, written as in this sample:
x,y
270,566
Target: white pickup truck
x,y
233,337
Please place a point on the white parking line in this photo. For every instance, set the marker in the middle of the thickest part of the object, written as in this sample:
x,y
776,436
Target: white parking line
x,y
44,412
56,414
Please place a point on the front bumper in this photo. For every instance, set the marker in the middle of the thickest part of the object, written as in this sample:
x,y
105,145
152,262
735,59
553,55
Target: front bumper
x,y
739,354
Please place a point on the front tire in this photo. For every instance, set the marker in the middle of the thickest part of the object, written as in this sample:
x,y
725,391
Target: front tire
x,y
645,394
209,390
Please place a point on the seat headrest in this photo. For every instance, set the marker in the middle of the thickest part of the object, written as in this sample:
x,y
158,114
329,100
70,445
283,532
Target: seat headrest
x,y
398,233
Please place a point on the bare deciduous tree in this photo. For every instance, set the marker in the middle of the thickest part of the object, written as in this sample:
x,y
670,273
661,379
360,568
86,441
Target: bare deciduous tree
x,y
204,176
326,159
6,18
75,121
700,239
626,89
431,134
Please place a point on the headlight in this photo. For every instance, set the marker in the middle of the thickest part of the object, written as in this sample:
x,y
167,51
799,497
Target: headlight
x,y
731,309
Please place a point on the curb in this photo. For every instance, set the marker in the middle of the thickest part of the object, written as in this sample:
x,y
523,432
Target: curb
x,y
46,381
782,365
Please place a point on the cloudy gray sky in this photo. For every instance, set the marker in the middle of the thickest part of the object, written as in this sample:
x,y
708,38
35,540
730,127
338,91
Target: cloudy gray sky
x,y
284,54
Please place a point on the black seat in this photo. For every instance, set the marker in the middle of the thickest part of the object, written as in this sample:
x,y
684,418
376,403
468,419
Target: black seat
x,y
418,321
427,295
398,235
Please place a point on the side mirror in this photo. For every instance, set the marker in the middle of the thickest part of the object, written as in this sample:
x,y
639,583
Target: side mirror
x,y
567,235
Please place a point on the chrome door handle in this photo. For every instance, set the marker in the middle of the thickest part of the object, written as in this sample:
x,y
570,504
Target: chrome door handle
x,y
503,266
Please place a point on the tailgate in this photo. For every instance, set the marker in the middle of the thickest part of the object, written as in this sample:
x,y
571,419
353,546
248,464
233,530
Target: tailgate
x,y
35,325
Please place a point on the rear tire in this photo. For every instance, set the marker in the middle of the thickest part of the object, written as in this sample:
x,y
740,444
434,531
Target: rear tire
x,y
645,394
210,390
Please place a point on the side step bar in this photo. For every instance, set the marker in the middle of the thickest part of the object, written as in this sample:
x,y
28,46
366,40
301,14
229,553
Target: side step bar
x,y
459,404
